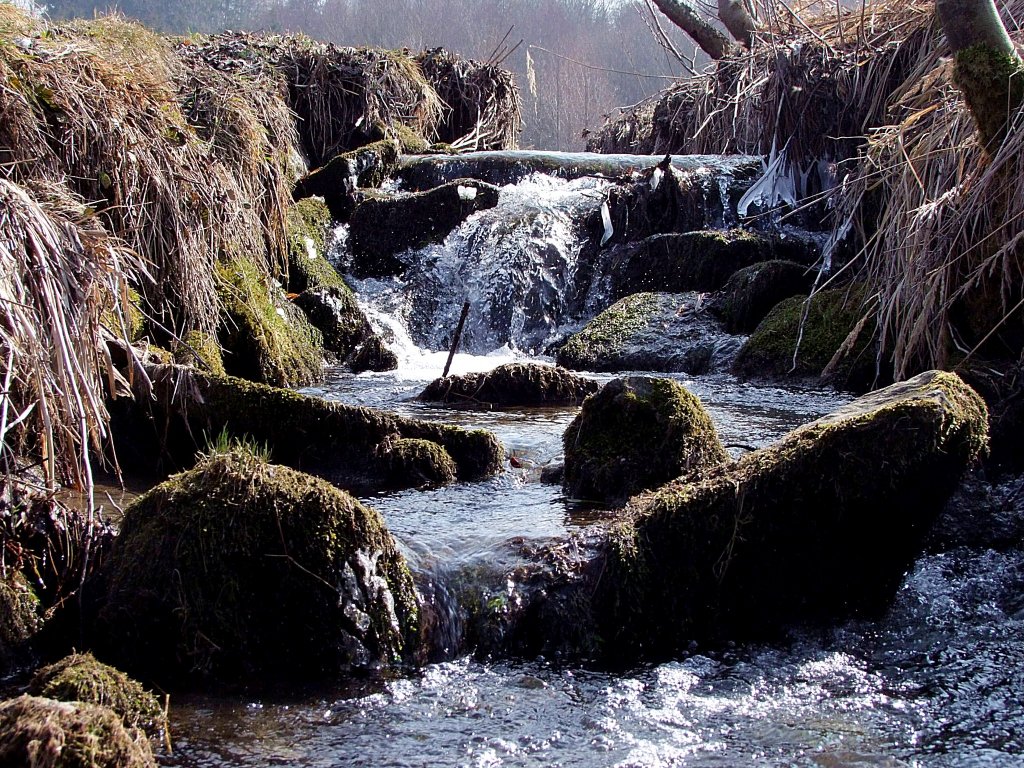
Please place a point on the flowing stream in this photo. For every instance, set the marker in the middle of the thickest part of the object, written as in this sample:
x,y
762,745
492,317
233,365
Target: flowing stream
x,y
936,681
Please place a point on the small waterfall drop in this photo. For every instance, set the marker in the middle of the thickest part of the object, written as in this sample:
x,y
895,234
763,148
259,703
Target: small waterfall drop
x,y
518,265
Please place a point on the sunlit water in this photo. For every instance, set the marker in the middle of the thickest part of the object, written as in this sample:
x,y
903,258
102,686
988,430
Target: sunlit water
x,y
938,681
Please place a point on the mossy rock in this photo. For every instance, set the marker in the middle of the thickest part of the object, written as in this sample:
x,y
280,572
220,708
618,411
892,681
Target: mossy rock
x,y
513,384
366,167
818,526
382,226
372,355
43,733
20,620
80,677
831,317
752,292
670,332
309,224
199,350
694,261
330,439
248,572
335,312
413,462
635,434
262,340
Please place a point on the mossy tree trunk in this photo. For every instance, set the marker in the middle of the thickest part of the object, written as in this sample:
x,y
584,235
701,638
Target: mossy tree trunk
x,y
989,70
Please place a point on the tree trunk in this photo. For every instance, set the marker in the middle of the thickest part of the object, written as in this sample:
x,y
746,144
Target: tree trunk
x,y
738,21
989,72
686,17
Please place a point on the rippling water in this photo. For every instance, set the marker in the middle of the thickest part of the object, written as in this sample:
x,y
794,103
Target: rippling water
x,y
937,681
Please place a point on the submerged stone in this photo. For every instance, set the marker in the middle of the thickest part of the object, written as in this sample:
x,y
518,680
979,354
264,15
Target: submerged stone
x,y
42,733
248,572
513,384
820,525
383,226
635,434
80,677
652,332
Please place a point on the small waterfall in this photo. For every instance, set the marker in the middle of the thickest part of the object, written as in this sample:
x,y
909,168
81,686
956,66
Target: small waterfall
x,y
518,265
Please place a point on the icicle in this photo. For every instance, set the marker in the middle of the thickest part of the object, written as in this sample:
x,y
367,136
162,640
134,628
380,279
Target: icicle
x,y
606,220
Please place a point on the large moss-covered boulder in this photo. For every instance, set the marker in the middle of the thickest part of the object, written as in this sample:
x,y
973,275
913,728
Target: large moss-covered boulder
x,y
335,182
752,292
513,384
382,226
188,408
42,733
817,526
694,261
249,572
80,677
670,332
20,620
635,434
830,322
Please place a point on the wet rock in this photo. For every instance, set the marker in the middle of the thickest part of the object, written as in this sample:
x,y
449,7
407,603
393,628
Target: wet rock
x,y
834,320
335,312
382,226
694,261
415,463
635,434
335,182
752,292
652,332
247,572
327,438
372,355
513,384
42,733
309,223
80,677
822,524
20,620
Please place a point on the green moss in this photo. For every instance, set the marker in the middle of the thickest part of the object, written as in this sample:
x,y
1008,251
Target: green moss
x,y
510,385
309,223
607,332
409,141
20,619
80,677
992,83
245,571
416,462
199,350
335,441
260,340
831,316
818,525
43,733
752,292
635,434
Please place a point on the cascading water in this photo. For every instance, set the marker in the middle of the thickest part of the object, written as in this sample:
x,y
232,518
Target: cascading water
x,y
518,265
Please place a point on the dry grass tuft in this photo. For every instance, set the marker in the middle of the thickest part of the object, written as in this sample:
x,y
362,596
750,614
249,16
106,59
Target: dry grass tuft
x,y
483,106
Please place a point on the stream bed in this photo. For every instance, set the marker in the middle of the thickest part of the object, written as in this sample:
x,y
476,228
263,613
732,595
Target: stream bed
x,y
937,681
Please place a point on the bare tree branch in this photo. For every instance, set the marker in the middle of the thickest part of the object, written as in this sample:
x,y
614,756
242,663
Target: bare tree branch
x,y
685,16
738,21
